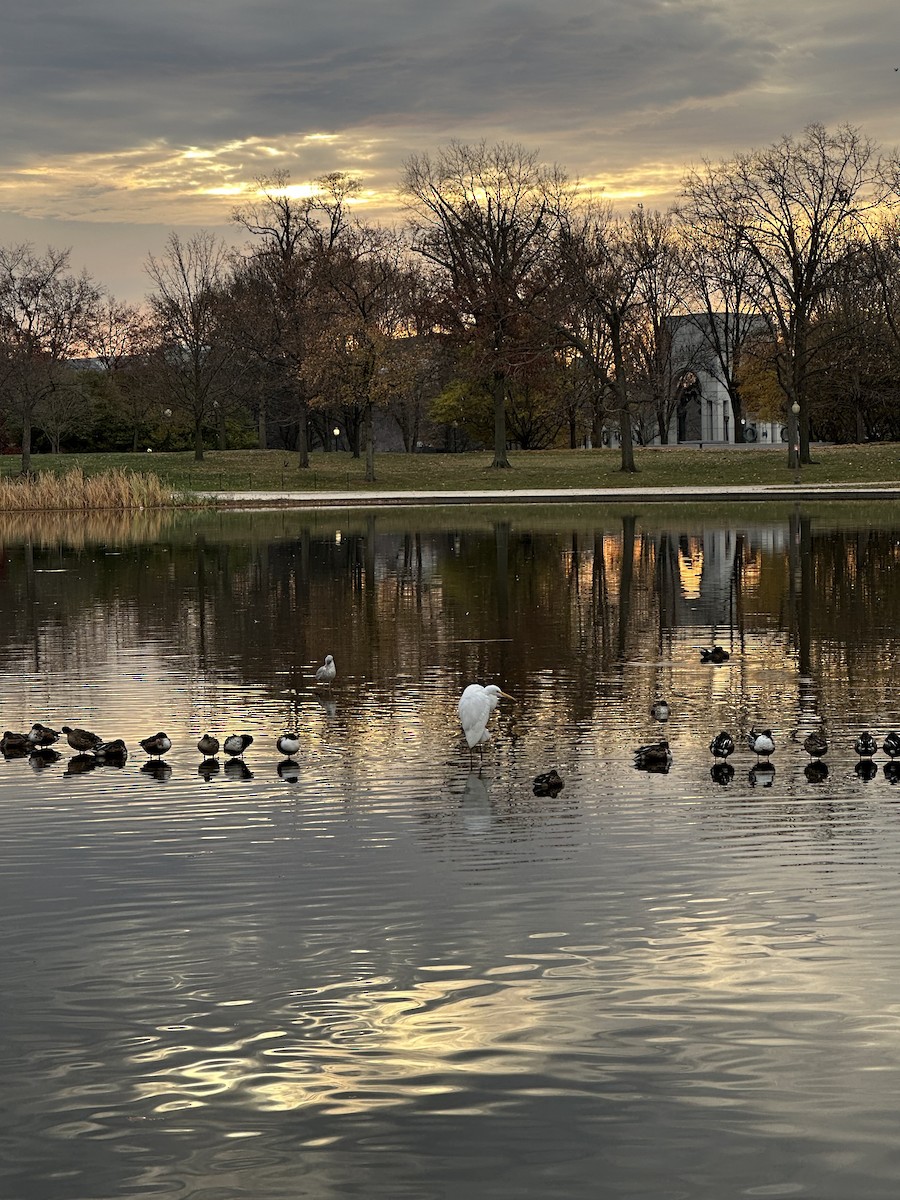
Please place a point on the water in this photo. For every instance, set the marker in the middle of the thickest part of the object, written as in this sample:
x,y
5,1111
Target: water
x,y
389,972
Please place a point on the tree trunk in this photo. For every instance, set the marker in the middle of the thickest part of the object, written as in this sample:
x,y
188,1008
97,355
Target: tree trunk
x,y
262,429
369,432
198,439
26,444
498,388
303,435
621,389
220,429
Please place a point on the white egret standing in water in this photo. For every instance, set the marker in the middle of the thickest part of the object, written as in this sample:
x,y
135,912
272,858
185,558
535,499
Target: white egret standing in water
x,y
475,707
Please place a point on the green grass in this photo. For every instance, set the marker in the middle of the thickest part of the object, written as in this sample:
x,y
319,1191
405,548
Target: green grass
x,y
273,470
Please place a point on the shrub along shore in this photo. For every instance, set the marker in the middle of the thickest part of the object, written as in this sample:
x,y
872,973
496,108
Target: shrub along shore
x,y
134,481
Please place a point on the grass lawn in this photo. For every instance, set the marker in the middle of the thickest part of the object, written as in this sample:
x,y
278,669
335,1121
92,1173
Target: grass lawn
x,y
274,470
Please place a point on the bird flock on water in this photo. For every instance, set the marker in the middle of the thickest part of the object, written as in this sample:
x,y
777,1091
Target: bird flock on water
x,y
39,743
478,703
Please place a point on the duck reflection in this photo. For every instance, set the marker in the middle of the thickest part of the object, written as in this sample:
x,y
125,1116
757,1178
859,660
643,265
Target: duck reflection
x,y
721,773
892,771
236,769
816,771
208,768
158,768
80,764
761,774
866,769
289,770
43,756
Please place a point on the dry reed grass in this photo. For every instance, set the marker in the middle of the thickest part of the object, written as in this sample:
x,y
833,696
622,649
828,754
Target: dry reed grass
x,y
78,530
76,491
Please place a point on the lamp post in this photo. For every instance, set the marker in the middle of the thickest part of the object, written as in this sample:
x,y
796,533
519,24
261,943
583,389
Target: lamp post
x,y
795,435
337,433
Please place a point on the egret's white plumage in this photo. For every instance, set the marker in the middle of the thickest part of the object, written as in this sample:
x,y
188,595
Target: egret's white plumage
x,y
475,707
326,673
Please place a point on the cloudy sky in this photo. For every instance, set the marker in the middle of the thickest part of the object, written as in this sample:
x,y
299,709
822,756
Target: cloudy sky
x,y
123,121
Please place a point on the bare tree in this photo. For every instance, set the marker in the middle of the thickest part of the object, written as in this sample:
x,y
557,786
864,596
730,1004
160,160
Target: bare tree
x,y
193,361
121,340
487,217
793,206
281,280
45,319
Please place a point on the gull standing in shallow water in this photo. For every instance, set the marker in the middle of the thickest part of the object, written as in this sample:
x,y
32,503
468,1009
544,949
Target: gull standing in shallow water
x,y
475,707
326,673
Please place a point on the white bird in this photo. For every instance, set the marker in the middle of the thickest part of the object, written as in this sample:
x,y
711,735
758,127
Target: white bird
x,y
475,707
326,673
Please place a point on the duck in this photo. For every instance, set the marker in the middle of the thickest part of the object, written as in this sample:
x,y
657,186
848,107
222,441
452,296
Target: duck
x,y
157,744
237,743
288,744
865,745
659,710
81,740
891,744
761,742
655,756
208,746
815,744
326,673
722,745
15,745
115,752
715,654
42,735
548,784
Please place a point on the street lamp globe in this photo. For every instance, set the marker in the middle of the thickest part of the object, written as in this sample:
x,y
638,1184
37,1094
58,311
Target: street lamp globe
x,y
795,409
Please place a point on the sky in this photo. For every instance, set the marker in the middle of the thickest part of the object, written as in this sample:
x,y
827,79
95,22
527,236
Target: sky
x,y
124,122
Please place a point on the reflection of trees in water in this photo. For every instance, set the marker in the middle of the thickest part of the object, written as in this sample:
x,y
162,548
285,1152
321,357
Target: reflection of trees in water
x,y
558,615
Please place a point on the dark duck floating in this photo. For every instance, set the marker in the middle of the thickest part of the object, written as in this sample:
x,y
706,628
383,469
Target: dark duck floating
x,y
722,745
114,752
547,784
653,757
714,654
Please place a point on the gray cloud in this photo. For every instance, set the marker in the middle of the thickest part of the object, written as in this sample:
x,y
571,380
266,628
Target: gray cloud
x,y
118,112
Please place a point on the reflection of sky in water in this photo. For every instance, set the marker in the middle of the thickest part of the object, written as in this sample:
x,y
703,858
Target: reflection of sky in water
x,y
390,960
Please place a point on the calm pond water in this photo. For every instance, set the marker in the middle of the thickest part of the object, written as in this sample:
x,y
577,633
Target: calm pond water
x,y
387,974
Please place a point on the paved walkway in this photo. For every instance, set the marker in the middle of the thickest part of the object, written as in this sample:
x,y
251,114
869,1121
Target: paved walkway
x,y
634,495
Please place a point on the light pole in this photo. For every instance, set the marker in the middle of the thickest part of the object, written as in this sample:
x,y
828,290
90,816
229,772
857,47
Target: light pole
x,y
795,434
337,433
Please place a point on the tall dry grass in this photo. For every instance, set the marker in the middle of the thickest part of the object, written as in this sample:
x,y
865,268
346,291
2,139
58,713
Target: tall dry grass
x,y
76,491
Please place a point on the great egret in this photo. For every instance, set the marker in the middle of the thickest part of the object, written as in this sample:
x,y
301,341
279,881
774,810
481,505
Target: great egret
x,y
475,707
208,745
761,742
237,743
81,740
722,745
326,673
157,744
